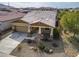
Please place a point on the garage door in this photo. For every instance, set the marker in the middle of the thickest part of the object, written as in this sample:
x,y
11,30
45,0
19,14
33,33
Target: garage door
x,y
21,29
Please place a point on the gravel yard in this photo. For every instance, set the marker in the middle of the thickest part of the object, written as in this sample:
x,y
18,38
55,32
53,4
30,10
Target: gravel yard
x,y
26,51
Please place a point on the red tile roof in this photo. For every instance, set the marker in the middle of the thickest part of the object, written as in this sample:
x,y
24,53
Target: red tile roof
x,y
5,16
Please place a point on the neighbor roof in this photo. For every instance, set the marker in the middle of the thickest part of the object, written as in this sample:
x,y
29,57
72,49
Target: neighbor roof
x,y
46,17
5,16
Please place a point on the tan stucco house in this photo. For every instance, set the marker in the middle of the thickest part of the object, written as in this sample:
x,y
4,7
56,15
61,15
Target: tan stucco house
x,y
38,22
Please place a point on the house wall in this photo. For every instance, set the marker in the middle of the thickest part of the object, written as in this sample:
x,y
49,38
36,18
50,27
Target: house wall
x,y
39,28
19,24
22,26
6,24
40,24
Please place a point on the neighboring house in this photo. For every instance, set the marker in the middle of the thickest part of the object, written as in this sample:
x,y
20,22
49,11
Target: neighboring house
x,y
6,18
37,22
2,6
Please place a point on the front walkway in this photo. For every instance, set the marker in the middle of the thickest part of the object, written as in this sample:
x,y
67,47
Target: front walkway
x,y
8,44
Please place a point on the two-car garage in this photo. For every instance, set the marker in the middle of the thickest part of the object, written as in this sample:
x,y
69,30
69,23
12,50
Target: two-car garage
x,y
20,27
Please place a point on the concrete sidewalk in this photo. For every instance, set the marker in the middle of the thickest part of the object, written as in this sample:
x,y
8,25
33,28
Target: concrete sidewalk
x,y
8,44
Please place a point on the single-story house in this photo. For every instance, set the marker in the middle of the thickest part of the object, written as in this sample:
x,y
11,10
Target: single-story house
x,y
36,22
6,18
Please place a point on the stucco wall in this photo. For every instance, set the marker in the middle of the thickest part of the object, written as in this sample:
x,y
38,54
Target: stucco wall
x,y
4,25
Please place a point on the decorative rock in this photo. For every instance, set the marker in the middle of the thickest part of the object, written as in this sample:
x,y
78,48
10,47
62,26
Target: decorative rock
x,y
50,51
31,47
35,49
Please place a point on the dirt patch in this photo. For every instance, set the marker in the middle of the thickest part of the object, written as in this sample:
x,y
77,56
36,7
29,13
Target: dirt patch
x,y
69,48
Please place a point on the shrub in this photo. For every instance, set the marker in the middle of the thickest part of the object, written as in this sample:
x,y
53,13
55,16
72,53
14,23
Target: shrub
x,y
55,33
47,50
35,49
70,39
55,45
41,46
78,41
29,41
19,48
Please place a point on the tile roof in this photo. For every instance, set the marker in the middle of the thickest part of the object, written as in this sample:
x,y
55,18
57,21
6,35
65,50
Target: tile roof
x,y
4,16
46,17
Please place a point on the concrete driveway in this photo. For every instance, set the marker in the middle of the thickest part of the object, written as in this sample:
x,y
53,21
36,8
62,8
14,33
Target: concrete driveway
x,y
9,43
5,55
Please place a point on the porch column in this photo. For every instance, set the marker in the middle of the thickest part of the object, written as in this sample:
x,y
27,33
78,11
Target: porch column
x,y
13,28
29,29
29,35
51,32
39,31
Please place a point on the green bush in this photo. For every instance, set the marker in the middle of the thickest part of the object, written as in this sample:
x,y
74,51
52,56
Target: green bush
x,y
78,40
35,49
55,33
41,46
70,39
46,50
